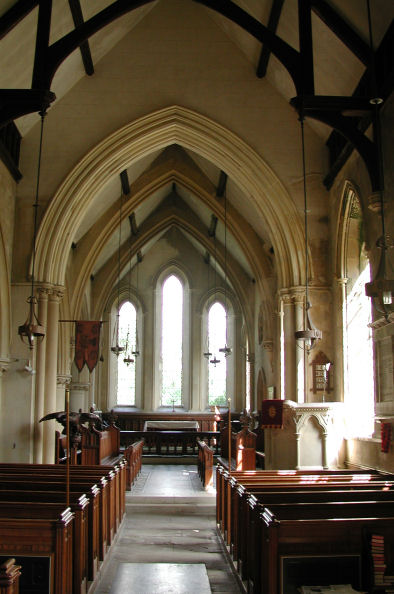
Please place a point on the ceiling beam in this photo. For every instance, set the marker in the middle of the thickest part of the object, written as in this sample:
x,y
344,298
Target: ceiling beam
x,y
76,12
273,21
221,184
124,180
342,30
15,14
339,146
133,224
212,227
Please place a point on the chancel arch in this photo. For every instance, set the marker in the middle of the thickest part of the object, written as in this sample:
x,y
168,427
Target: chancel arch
x,y
156,131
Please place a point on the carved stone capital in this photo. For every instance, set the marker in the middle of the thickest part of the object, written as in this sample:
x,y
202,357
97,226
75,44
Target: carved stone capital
x,y
341,280
4,365
63,380
374,202
57,293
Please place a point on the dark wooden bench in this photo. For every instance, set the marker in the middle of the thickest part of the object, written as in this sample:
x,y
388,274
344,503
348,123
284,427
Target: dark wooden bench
x,y
245,497
205,464
40,529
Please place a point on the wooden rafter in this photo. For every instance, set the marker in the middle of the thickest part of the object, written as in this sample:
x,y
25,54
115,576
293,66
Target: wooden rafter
x,y
273,22
76,12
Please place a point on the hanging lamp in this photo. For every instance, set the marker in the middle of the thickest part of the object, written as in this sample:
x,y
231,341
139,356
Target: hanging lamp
x,y
226,350
214,359
117,348
381,288
32,331
127,358
136,352
207,354
309,335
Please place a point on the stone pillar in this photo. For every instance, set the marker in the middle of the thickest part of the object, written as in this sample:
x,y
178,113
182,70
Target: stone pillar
x,y
52,332
293,357
288,340
300,354
40,378
324,450
63,382
298,455
340,337
79,396
254,405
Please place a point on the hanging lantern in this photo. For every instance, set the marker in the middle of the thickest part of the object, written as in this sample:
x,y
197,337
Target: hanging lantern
x,y
32,331
310,334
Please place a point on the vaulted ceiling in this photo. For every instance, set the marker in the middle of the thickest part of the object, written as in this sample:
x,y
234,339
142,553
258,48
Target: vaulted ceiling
x,y
341,56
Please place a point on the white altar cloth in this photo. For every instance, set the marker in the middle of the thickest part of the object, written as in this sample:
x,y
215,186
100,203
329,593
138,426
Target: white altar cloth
x,y
171,425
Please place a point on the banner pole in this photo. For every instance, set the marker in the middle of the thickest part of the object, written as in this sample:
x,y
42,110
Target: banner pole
x,y
68,451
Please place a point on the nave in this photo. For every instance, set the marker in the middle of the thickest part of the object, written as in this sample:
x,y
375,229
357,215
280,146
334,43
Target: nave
x,y
169,519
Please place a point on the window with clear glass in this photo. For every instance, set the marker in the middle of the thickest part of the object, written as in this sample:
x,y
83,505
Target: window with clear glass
x,y
358,347
127,339
171,342
217,371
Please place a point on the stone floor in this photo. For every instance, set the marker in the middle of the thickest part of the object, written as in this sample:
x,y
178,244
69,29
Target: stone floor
x,y
170,519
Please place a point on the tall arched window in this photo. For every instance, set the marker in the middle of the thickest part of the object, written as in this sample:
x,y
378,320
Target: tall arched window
x,y
127,338
358,351
217,338
171,342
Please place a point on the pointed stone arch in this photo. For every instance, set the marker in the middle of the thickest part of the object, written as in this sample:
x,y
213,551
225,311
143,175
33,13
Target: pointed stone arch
x,y
153,132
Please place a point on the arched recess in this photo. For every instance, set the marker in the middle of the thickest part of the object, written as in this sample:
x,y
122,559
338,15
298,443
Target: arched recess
x,y
153,132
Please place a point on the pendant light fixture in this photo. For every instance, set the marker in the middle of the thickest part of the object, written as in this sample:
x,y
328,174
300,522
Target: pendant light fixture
x,y
381,288
207,354
309,335
127,357
117,348
32,331
136,352
214,359
226,350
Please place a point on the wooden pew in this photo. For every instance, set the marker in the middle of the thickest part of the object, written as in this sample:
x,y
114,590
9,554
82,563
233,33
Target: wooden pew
x,y
205,464
264,489
133,456
85,534
114,476
9,577
291,531
99,516
105,522
40,529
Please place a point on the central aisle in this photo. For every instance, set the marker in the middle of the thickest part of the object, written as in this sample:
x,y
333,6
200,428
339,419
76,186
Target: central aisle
x,y
169,519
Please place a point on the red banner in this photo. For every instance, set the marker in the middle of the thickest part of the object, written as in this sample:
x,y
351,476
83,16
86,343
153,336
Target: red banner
x,y
272,414
385,430
87,340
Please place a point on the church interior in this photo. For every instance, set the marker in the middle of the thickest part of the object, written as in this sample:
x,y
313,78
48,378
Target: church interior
x,y
206,187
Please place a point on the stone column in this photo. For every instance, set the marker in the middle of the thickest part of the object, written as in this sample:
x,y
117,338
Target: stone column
x,y
40,377
293,354
340,339
298,455
52,332
79,396
300,354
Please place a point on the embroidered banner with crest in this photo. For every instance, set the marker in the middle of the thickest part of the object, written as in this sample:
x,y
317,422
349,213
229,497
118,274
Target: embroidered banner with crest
x,y
272,414
87,341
